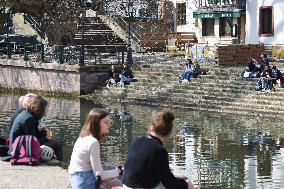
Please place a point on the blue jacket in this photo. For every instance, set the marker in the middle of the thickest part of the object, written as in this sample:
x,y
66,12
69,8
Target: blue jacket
x,y
25,124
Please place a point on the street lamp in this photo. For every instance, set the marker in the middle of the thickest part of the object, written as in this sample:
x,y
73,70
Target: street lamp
x,y
130,13
84,4
8,16
45,19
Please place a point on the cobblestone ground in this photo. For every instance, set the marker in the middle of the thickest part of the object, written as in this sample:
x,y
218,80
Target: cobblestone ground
x,y
37,177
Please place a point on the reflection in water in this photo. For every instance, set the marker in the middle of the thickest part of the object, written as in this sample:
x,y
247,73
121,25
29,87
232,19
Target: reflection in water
x,y
214,150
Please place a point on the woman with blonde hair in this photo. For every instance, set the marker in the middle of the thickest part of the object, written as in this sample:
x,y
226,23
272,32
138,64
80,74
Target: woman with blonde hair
x,y
147,164
85,159
26,122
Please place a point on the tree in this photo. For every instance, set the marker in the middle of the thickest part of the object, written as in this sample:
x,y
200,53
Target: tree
x,y
62,15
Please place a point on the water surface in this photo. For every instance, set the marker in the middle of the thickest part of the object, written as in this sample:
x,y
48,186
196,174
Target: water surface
x,y
214,150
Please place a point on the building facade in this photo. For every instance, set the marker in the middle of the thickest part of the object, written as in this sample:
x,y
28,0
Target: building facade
x,y
213,21
265,22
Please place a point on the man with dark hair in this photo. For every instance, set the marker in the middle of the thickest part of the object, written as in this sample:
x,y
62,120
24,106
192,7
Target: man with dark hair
x,y
264,62
275,75
265,76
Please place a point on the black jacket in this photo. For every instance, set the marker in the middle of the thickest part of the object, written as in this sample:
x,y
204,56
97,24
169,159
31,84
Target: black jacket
x,y
147,164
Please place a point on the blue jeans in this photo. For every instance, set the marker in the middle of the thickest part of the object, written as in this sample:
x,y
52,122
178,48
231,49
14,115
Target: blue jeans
x,y
185,75
83,180
125,79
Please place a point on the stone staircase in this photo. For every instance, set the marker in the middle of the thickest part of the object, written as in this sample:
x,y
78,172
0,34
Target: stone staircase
x,y
98,37
222,90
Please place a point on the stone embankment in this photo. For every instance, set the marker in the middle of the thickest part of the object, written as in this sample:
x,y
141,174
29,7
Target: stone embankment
x,y
33,177
221,90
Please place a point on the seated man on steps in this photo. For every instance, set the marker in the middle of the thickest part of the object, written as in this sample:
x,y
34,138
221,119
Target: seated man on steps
x,y
275,75
196,70
113,77
126,76
187,72
265,76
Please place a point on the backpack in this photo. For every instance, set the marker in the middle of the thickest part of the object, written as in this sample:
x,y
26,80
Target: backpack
x,y
25,151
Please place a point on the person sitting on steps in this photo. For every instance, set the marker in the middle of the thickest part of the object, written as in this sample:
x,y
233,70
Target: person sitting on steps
x,y
196,70
275,75
265,76
187,72
126,76
113,77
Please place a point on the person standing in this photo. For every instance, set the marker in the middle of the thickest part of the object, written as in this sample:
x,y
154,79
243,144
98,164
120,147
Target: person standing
x,y
147,164
85,159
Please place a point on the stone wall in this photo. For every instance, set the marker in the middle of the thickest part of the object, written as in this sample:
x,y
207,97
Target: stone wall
x,y
51,77
239,54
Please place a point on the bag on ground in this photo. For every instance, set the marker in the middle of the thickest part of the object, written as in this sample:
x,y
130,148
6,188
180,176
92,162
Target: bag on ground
x,y
25,151
247,74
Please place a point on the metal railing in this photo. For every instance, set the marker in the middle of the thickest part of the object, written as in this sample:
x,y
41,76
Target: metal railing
x,y
34,24
123,24
107,10
59,54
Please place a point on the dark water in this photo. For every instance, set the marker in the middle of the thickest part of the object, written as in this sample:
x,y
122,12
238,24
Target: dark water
x,y
214,150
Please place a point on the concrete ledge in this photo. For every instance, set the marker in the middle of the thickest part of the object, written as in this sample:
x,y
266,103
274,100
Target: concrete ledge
x,y
33,177
52,77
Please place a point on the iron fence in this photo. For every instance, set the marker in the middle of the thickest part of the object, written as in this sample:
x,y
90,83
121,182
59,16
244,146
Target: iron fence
x,y
58,53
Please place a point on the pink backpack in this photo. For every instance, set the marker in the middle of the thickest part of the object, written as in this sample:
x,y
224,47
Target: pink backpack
x,y
25,151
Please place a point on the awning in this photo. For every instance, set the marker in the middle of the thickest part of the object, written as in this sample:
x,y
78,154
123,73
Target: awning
x,y
216,14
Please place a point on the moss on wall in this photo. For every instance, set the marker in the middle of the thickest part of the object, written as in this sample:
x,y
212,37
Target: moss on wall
x,y
54,94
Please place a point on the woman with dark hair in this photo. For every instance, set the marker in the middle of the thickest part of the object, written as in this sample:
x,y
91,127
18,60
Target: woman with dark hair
x,y
85,159
26,122
147,164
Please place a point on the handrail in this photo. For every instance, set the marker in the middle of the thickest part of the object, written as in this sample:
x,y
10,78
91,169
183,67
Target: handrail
x,y
122,23
34,24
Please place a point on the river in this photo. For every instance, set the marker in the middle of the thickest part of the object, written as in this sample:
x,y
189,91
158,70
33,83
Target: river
x,y
212,149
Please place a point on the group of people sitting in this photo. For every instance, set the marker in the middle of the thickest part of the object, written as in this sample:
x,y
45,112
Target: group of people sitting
x,y
147,164
28,120
268,76
120,79
190,70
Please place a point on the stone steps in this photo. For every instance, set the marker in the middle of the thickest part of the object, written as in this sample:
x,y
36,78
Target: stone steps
x,y
215,106
222,90
211,107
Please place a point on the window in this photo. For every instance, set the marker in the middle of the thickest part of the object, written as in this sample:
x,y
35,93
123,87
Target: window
x,y
208,26
181,14
225,26
266,25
